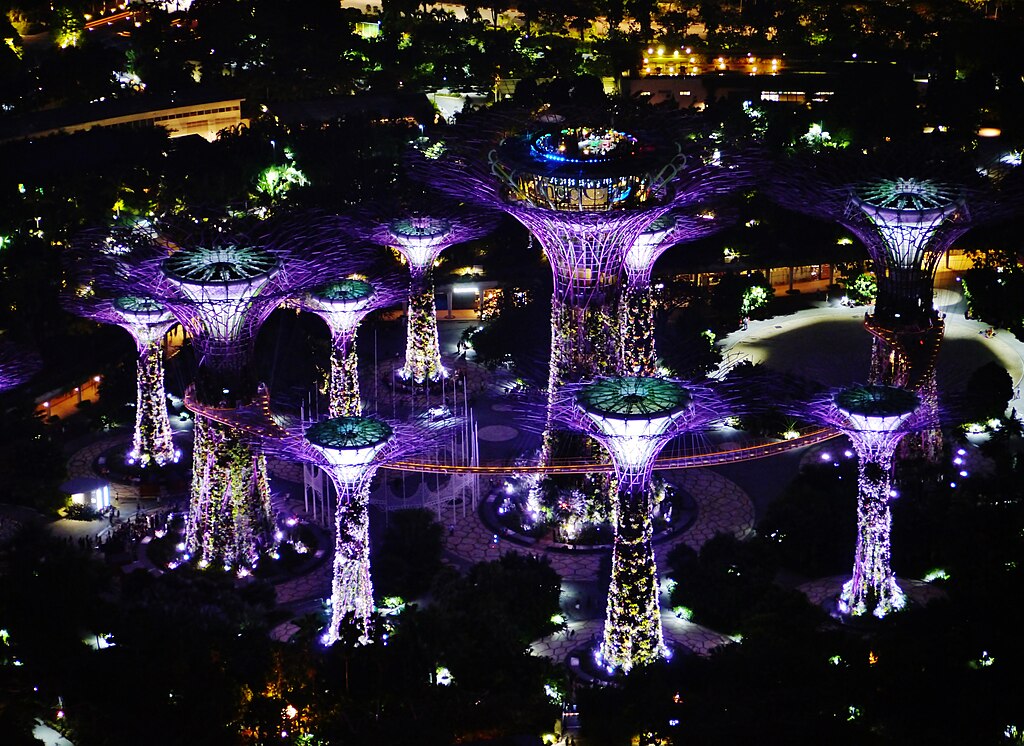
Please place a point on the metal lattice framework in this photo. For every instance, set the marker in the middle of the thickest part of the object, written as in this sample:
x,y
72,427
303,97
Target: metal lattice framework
x,y
421,237
587,189
343,305
351,450
875,418
17,364
148,322
221,278
907,207
634,419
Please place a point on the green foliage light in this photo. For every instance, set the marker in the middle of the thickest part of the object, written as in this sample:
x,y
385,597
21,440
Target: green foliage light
x,y
277,180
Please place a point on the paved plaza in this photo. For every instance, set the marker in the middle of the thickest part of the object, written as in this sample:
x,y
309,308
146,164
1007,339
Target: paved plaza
x,y
722,507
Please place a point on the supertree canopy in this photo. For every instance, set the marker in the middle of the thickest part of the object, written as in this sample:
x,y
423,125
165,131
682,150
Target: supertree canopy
x,y
875,418
343,305
420,238
148,321
17,364
351,450
221,279
634,418
638,355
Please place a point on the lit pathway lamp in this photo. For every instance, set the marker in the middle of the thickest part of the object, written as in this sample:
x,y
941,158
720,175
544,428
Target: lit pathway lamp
x,y
875,418
148,321
351,450
343,305
634,419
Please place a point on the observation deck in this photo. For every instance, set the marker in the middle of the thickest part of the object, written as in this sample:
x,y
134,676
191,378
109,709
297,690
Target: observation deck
x,y
583,169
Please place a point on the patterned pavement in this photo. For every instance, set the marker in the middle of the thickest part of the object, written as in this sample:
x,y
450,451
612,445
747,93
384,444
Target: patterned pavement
x,y
722,507
678,633
81,465
824,590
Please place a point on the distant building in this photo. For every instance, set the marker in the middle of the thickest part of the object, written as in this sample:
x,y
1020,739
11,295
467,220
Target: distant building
x,y
194,114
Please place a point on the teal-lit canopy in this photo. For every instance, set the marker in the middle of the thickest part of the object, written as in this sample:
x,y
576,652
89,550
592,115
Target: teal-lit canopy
x,y
225,264
877,401
633,397
349,433
344,290
138,304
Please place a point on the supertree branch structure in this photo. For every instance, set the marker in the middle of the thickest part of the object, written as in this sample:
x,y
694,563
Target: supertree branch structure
x,y
343,305
634,418
148,322
420,238
221,280
17,364
875,418
586,190
351,450
907,209
638,355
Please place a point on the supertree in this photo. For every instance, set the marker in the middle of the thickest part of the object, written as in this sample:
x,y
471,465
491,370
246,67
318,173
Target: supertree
x,y
343,305
634,418
638,355
17,364
148,323
875,418
587,191
420,238
221,279
907,208
351,450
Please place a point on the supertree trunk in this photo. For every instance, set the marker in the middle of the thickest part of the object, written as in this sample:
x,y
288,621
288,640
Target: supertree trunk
x,y
638,354
422,350
230,517
152,441
344,399
584,345
873,587
352,587
632,630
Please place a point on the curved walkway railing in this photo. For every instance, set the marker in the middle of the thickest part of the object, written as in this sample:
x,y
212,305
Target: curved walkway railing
x,y
747,452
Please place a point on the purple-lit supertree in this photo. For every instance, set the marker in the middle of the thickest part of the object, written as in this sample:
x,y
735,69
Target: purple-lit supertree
x,y
907,208
343,305
148,322
634,419
587,191
420,238
221,281
351,450
638,355
875,418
